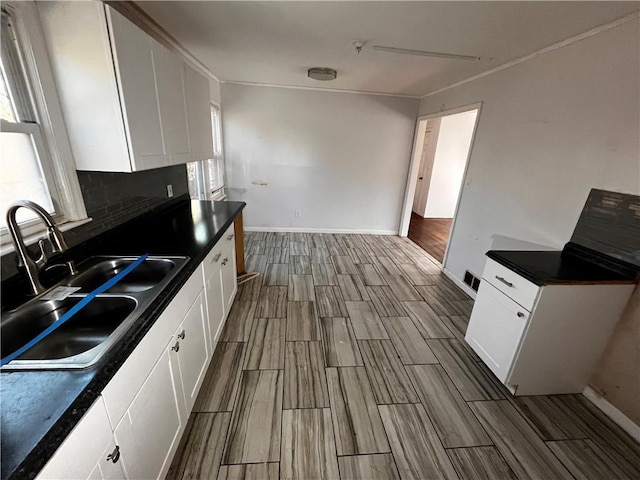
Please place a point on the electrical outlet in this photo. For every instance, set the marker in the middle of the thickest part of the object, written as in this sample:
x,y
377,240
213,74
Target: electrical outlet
x,y
169,190
298,214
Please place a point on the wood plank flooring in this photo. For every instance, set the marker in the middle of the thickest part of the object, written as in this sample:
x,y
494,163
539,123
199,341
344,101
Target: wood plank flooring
x,y
346,360
431,234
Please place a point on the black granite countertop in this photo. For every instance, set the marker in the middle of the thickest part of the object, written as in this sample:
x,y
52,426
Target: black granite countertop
x,y
558,268
40,408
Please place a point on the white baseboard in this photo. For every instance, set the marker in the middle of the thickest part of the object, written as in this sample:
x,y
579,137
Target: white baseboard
x,y
612,412
318,230
460,284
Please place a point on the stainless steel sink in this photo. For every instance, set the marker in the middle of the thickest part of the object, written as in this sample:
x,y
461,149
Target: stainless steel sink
x,y
97,270
84,339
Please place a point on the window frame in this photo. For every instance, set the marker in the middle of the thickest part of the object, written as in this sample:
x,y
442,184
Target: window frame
x,y
48,132
218,154
200,187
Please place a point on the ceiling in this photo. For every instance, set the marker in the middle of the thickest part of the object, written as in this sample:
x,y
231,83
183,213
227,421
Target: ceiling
x,y
276,42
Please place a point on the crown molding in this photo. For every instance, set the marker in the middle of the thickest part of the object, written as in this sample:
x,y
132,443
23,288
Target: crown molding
x,y
139,17
564,43
328,90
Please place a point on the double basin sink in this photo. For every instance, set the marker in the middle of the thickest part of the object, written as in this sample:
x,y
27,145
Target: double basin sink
x,y
89,334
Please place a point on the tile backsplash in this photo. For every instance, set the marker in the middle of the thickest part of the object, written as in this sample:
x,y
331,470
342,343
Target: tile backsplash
x,y
114,198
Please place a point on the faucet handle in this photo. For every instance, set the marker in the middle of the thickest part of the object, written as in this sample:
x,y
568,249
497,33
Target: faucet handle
x,y
42,259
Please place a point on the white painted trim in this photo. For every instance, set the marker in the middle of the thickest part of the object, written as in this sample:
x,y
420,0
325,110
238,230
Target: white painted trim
x,y
141,18
477,106
461,285
146,23
412,175
542,51
414,167
319,230
58,163
612,412
329,90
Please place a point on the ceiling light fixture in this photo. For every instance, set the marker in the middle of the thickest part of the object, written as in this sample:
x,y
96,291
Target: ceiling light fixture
x,y
423,53
321,73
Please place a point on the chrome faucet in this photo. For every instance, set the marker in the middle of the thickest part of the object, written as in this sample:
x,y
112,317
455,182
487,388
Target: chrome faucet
x,y
58,245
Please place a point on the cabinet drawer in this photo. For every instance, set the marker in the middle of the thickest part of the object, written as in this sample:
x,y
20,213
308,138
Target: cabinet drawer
x,y
511,284
213,259
211,263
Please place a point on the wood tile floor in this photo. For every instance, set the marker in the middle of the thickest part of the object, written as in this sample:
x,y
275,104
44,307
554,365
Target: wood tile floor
x,y
346,360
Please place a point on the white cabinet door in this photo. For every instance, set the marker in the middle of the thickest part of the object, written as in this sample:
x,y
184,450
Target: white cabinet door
x,y
495,329
77,40
189,346
138,92
149,432
228,265
214,299
169,75
198,114
84,452
109,467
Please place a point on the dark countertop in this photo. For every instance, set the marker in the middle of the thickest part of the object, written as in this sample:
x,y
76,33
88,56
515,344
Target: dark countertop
x,y
557,268
40,408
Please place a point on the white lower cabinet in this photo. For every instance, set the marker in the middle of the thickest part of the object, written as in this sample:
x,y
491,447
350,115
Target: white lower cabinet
x,y
149,432
216,311
189,352
496,338
542,340
109,467
85,452
228,267
133,430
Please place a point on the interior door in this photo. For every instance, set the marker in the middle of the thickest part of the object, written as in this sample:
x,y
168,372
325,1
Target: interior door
x,y
422,187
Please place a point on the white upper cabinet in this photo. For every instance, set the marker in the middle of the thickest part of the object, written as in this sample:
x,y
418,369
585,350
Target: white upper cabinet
x,y
169,77
129,103
140,103
198,115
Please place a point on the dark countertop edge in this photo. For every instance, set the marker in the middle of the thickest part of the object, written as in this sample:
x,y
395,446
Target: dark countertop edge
x,y
496,255
37,458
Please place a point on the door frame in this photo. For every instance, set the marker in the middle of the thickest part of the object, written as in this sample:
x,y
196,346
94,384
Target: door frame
x,y
414,166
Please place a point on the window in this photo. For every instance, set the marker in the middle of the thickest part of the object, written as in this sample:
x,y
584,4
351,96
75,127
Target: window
x,y
216,164
29,167
206,178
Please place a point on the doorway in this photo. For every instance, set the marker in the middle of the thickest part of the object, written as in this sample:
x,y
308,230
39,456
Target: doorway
x,y
438,167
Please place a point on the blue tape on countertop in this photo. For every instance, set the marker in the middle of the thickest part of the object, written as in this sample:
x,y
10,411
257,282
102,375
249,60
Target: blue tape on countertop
x,y
75,309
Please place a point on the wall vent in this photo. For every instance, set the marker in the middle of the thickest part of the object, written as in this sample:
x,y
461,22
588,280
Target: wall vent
x,y
471,280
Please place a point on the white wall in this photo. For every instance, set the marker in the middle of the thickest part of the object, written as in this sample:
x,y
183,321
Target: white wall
x,y
550,129
340,159
450,160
